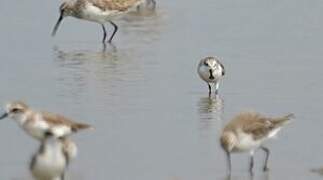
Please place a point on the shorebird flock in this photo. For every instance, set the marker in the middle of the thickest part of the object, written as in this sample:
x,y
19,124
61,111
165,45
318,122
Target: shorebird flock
x,y
247,132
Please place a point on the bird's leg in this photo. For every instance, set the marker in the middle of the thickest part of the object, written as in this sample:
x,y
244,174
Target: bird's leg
x,y
114,31
63,176
251,164
138,8
154,4
104,33
217,84
229,162
210,89
267,157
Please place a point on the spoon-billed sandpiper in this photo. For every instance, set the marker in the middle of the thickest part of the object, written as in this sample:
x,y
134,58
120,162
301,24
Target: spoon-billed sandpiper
x,y
50,161
211,71
99,11
247,132
37,123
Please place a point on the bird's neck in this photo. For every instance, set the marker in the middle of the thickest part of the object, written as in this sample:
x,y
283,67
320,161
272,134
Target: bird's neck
x,y
22,119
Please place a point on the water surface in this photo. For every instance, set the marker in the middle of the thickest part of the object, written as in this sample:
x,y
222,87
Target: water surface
x,y
152,114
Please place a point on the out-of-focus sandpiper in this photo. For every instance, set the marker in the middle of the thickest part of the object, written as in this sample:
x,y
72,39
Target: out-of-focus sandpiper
x,y
247,132
37,123
50,161
211,70
99,11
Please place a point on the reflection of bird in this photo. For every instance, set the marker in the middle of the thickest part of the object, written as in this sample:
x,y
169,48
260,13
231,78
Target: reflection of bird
x,y
100,11
37,124
210,104
211,70
262,176
247,132
50,161
210,112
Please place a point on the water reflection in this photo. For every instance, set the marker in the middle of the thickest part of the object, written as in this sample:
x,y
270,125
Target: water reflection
x,y
107,52
262,176
81,68
210,111
146,24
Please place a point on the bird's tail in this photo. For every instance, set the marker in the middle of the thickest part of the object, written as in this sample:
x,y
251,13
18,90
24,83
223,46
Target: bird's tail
x,y
79,126
281,121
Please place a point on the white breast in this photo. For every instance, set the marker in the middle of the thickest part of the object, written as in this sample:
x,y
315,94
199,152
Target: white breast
x,y
204,73
36,127
246,142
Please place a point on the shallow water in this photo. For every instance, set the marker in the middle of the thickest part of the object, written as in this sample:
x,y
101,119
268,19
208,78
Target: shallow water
x,y
152,114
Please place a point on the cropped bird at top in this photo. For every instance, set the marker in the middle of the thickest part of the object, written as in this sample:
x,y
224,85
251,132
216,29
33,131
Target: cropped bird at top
x,y
50,161
211,70
36,123
99,11
247,132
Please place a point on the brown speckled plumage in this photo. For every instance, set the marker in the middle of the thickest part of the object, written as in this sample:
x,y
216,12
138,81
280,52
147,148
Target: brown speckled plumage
x,y
247,132
120,5
255,124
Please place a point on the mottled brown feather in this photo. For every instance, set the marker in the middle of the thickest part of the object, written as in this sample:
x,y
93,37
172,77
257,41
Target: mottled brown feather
x,y
256,124
56,119
120,5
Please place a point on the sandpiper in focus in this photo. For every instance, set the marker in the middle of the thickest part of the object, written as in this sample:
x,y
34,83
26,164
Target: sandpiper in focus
x,y
211,70
99,11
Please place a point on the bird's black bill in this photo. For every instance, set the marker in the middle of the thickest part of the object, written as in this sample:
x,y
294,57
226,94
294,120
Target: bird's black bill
x,y
57,24
3,116
211,74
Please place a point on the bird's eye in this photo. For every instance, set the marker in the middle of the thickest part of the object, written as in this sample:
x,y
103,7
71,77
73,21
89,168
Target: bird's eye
x,y
205,63
15,110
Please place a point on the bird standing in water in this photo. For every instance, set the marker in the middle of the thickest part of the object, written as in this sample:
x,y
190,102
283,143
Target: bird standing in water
x,y
99,11
211,70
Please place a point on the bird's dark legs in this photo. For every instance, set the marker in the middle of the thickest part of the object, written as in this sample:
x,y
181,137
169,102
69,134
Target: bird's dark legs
x,y
217,88
153,2
251,164
114,31
104,33
63,176
210,89
138,8
267,157
229,162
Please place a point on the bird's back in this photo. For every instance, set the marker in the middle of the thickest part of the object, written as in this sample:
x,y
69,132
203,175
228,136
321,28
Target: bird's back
x,y
256,124
119,5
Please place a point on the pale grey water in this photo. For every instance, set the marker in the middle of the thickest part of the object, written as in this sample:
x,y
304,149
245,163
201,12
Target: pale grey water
x,y
151,112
